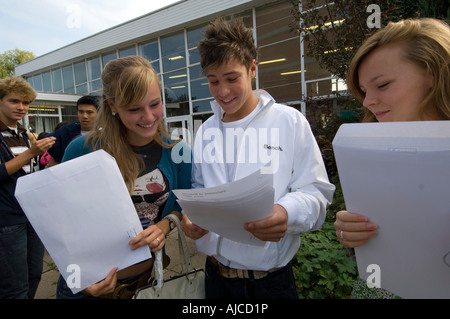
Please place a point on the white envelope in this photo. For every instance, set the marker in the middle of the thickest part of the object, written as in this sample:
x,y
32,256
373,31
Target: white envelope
x,y
398,175
83,214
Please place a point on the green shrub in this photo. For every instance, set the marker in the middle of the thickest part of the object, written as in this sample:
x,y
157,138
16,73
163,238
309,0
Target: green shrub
x,y
322,267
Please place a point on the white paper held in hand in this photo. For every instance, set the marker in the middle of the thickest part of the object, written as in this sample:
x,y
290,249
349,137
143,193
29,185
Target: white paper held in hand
x,y
226,208
83,214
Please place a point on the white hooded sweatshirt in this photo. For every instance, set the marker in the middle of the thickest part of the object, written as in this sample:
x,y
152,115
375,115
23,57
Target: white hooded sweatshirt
x,y
282,135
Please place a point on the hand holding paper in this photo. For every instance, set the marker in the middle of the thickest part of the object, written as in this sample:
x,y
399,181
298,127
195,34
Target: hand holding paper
x,y
84,216
272,228
225,209
397,175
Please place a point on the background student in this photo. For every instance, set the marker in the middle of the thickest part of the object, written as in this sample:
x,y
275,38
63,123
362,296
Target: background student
x,y
87,107
21,251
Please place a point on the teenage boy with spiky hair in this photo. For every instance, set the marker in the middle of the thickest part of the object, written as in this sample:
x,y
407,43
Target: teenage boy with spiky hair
x,y
302,189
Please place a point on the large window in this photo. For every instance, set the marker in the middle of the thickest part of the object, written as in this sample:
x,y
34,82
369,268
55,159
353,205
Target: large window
x,y
279,66
67,73
150,51
127,51
108,57
46,82
193,37
57,80
94,72
173,52
80,77
37,82
200,95
176,93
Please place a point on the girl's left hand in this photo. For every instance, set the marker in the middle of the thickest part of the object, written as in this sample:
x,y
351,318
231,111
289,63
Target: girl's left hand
x,y
152,236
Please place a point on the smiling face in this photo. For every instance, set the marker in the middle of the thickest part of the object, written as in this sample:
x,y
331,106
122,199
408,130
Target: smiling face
x,y
142,119
231,85
394,87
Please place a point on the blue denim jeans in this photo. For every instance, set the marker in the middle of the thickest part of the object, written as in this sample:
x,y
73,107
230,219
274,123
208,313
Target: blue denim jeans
x,y
279,284
21,258
64,292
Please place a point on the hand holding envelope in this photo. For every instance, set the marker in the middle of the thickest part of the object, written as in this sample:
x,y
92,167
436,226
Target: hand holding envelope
x,y
84,216
397,175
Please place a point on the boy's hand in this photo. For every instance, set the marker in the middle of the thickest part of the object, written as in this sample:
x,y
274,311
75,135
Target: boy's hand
x,y
191,230
272,228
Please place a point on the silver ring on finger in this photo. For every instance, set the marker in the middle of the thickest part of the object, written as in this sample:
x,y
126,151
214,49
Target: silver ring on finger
x,y
342,234
159,241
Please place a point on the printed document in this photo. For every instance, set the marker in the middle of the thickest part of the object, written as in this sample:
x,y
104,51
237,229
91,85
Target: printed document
x,y
398,175
83,214
226,208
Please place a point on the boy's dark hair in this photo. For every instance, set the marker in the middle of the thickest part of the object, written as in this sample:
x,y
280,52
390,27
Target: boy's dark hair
x,y
89,100
224,41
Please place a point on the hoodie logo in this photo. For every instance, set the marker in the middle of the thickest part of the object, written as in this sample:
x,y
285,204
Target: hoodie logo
x,y
275,148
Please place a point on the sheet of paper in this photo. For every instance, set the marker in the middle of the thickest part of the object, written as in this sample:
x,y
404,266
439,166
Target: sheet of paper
x,y
226,208
398,175
84,216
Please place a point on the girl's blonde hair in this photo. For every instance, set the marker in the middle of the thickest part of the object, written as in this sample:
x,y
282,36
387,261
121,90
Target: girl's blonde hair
x,y
126,82
427,44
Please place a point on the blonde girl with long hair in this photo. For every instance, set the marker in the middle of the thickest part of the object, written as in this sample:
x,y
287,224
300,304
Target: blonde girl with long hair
x,y
401,73
129,126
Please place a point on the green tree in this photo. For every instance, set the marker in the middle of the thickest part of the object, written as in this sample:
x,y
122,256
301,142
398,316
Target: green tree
x,y
9,59
334,29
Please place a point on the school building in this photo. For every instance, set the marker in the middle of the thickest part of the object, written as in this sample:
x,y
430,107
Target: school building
x,y
167,38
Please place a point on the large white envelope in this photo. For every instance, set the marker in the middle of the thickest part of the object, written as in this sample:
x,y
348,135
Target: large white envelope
x,y
398,175
83,213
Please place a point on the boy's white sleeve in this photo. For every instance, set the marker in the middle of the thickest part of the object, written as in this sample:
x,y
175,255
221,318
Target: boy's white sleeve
x,y
310,190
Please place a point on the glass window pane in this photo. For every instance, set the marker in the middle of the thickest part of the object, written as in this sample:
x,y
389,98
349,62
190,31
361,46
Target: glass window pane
x,y
108,57
47,82
82,89
176,93
57,80
199,84
195,35
194,56
149,51
95,86
127,52
173,52
279,65
94,69
37,82
273,22
80,72
156,66
201,106
67,73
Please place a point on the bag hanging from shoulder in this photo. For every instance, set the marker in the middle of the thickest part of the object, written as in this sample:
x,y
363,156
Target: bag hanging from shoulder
x,y
189,285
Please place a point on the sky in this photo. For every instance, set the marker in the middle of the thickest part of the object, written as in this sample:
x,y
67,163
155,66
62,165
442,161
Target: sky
x,y
41,26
